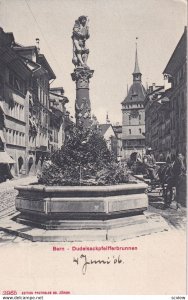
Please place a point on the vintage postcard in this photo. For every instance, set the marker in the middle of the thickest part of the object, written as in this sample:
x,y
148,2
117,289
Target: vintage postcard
x,y
93,118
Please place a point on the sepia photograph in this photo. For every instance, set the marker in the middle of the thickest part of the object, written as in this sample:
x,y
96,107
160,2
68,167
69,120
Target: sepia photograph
x,y
93,148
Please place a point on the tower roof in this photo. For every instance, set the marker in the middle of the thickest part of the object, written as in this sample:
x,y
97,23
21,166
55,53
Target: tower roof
x,y
137,75
136,67
137,92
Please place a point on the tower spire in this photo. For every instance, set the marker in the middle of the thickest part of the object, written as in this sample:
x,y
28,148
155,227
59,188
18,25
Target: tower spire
x,y
107,119
136,74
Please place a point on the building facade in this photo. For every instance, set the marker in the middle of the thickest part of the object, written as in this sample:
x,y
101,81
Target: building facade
x,y
166,108
133,116
57,128
176,74
25,77
157,121
118,132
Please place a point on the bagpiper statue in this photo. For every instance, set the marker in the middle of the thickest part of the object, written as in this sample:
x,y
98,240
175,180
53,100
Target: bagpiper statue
x,y
79,36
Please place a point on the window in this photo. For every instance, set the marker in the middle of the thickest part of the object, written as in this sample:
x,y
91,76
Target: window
x,y
17,111
16,82
139,119
23,139
7,135
10,136
55,136
14,137
20,139
21,113
17,138
140,130
129,131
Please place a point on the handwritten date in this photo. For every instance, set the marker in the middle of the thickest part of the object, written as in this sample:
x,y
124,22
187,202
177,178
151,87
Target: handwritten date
x,y
84,261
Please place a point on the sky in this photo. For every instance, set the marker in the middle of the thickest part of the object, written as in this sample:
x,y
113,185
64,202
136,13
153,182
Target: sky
x,y
114,26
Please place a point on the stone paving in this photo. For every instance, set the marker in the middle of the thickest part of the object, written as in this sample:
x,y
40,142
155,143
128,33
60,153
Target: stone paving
x,y
8,193
176,218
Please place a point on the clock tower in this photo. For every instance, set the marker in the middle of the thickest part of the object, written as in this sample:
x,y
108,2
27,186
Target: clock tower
x,y
133,116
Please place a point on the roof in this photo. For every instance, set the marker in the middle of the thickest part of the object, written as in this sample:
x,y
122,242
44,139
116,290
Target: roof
x,y
136,93
60,88
21,48
43,61
8,56
40,59
104,127
6,38
117,128
136,67
59,98
153,94
178,56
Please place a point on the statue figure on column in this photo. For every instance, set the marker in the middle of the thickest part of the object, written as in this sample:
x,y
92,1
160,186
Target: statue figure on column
x,y
79,36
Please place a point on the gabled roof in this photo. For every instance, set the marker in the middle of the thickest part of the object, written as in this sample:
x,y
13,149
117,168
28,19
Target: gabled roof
x,y
40,58
103,128
43,61
179,55
8,56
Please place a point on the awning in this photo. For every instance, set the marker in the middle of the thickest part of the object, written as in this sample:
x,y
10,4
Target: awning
x,y
5,158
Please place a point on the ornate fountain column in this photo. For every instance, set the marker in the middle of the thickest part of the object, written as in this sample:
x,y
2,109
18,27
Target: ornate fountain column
x,y
82,73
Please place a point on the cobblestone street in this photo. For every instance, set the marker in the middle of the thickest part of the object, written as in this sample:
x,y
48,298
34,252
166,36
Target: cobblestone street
x,y
176,218
8,193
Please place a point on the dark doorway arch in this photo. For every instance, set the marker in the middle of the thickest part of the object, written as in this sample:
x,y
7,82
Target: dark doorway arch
x,y
30,163
20,163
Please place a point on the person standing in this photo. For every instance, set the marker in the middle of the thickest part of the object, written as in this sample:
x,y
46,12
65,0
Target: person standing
x,y
179,174
150,164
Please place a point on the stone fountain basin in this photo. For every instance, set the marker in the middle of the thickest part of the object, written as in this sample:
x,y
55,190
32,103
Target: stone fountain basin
x,y
50,206
82,202
83,213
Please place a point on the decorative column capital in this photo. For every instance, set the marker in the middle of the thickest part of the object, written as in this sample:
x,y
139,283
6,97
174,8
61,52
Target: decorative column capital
x,y
82,76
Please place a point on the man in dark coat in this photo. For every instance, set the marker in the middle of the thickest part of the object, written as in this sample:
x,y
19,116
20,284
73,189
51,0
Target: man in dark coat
x,y
179,174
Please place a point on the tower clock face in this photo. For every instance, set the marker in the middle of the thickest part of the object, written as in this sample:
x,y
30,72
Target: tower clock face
x,y
134,113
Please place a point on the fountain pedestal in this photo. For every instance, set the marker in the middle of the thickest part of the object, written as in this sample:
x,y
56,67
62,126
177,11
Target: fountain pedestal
x,y
82,76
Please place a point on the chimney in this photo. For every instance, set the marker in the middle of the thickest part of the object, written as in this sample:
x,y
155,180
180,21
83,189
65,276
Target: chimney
x,y
37,44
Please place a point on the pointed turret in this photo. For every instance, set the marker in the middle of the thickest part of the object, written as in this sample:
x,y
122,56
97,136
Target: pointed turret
x,y
107,119
136,74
